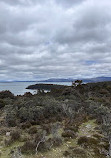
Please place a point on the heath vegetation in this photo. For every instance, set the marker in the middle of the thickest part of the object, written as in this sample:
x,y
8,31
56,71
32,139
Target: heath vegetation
x,y
69,122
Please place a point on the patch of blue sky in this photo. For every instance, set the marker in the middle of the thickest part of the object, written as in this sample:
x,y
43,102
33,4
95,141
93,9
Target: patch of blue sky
x,y
90,62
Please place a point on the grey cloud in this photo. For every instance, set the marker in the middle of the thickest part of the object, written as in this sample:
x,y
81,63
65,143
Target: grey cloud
x,y
91,23
54,38
69,3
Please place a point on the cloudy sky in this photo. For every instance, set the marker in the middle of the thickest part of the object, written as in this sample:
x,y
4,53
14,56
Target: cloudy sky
x,y
42,39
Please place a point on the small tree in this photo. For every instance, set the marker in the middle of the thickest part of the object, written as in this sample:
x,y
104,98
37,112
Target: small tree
x,y
42,140
76,83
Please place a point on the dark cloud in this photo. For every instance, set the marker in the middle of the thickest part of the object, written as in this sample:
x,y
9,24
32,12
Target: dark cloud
x,y
43,39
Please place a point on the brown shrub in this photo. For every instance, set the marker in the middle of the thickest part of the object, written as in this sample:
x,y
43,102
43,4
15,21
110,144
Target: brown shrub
x,y
68,133
28,147
66,153
44,146
28,94
103,91
98,136
8,142
15,135
56,141
87,141
79,153
82,140
104,145
26,125
2,103
75,153
6,94
80,118
72,128
38,136
32,130
47,128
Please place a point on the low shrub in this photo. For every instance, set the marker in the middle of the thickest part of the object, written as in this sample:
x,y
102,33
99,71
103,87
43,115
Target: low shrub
x,y
82,140
79,153
72,128
8,142
75,153
28,94
6,94
66,153
47,128
56,141
26,125
11,115
44,146
32,130
2,103
68,133
15,135
28,147
87,141
98,136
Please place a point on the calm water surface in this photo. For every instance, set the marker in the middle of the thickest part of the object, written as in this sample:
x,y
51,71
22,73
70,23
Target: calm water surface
x,y
18,88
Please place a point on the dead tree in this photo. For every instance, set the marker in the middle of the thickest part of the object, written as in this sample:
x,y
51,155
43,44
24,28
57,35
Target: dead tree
x,y
55,130
43,139
68,111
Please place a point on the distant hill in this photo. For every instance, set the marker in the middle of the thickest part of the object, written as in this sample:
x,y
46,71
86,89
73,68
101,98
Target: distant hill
x,y
86,80
97,79
58,80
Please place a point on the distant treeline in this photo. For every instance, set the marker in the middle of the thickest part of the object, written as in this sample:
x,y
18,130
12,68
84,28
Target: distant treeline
x,y
46,86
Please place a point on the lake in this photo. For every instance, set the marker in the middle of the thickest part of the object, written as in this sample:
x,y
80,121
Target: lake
x,y
19,88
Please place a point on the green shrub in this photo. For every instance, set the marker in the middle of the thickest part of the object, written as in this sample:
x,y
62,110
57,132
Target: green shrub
x,y
11,116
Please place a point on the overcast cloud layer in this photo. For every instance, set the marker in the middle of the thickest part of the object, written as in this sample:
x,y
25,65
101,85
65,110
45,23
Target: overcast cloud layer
x,y
54,38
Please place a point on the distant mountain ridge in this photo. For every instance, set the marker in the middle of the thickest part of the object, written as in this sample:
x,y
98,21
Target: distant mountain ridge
x,y
87,80
97,79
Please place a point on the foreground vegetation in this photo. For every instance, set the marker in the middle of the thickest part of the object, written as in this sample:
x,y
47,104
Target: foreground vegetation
x,y
70,122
